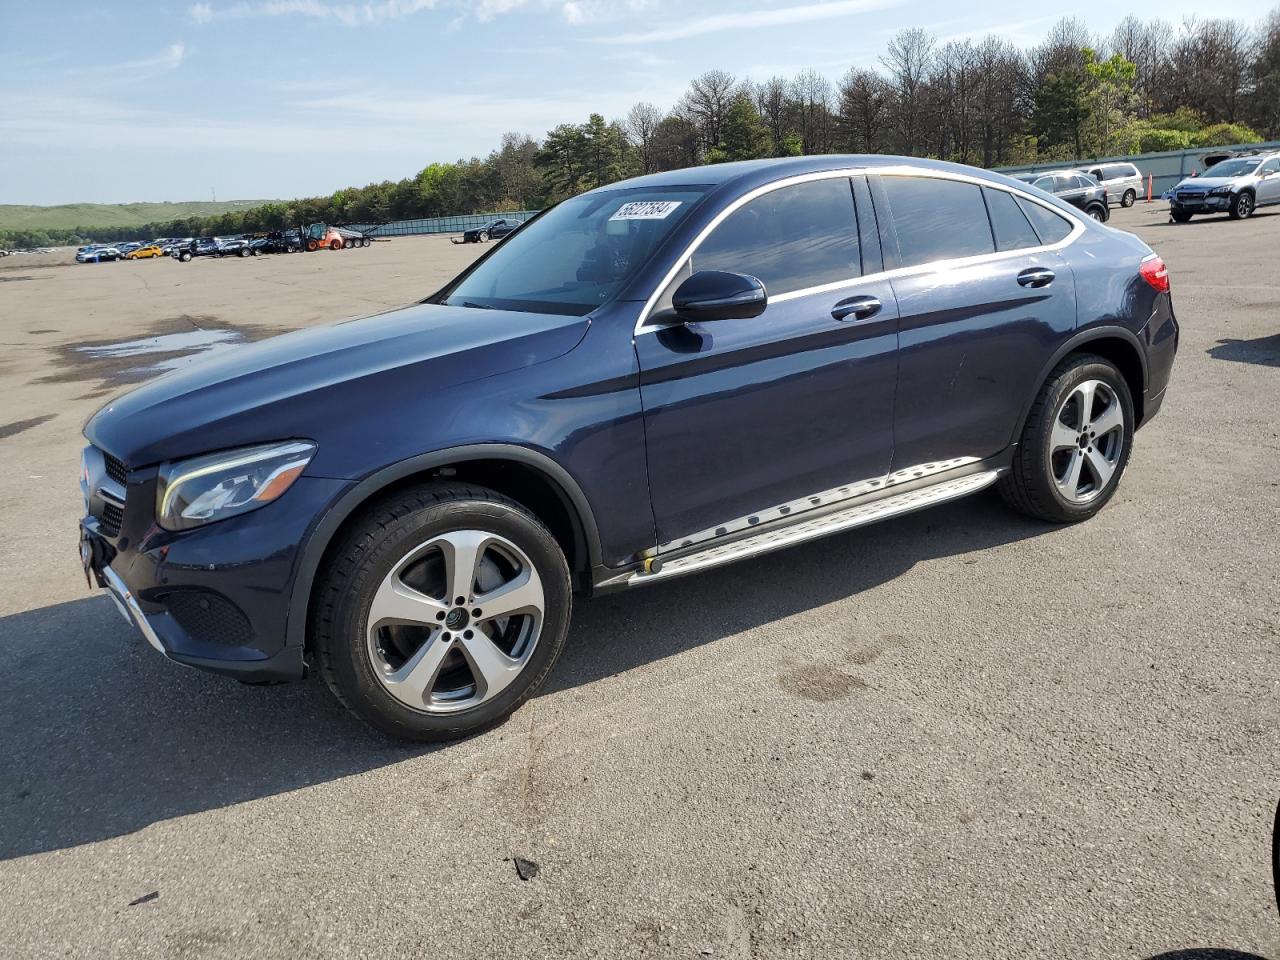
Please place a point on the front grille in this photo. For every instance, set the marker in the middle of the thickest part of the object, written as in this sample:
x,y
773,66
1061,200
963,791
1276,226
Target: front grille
x,y
1186,197
116,470
112,517
210,618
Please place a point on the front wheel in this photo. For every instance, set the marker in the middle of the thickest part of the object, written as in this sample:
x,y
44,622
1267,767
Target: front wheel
x,y
1098,213
1242,206
1128,199
484,236
185,256
441,612
1180,216
1075,444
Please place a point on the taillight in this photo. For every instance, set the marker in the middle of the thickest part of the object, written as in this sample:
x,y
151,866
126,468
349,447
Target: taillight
x,y
1155,273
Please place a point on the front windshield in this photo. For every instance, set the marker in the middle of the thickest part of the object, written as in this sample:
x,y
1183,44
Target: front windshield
x,y
1232,168
577,255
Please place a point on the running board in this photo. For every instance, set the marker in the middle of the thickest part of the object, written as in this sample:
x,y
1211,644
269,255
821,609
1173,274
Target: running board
x,y
803,530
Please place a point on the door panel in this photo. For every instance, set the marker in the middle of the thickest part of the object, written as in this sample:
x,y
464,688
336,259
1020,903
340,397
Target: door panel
x,y
972,339
744,415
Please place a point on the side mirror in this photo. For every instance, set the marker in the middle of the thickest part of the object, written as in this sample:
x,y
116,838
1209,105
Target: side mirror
x,y
716,295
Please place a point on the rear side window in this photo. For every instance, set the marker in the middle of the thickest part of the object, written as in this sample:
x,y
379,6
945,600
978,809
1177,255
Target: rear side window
x,y
1050,226
1009,224
938,219
794,237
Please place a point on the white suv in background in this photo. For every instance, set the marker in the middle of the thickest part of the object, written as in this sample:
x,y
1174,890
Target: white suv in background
x,y
1122,180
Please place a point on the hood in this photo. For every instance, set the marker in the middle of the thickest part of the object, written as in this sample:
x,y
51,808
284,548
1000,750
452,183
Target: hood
x,y
296,385
1205,183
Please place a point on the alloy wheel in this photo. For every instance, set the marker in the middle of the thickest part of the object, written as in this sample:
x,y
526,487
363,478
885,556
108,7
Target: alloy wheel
x,y
1087,441
1244,206
455,621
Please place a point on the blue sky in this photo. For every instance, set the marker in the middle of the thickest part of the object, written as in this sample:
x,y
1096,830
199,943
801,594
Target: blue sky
x,y
116,102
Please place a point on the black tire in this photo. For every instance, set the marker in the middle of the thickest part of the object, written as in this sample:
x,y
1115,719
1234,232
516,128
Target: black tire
x,y
365,242
1127,200
1242,206
1098,212
1180,216
1029,485
357,565
346,244
484,236
246,252
185,256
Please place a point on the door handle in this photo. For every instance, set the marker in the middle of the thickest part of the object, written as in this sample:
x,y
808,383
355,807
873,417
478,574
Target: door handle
x,y
1036,277
860,308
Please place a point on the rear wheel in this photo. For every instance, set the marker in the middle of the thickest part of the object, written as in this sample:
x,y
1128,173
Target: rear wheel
x,y
245,252
1242,206
1075,444
335,245
1098,213
1128,199
441,612
1180,216
185,256
346,244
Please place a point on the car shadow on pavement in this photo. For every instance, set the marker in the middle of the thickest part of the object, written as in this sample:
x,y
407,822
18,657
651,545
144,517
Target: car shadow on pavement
x,y
1261,350
617,632
101,737
1206,953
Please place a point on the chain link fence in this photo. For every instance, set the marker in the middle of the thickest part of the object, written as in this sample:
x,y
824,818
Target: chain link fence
x,y
410,228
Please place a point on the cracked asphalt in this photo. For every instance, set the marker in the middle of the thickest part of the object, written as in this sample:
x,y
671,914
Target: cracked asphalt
x,y
957,734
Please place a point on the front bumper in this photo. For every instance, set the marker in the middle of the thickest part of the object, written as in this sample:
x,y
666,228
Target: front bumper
x,y
215,597
1202,203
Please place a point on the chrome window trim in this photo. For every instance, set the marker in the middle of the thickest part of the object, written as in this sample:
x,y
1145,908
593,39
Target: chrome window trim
x,y
897,170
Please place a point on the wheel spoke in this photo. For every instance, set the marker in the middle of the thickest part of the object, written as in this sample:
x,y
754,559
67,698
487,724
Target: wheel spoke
x,y
521,595
1070,484
462,551
492,668
1108,420
414,680
1062,437
1084,395
1102,468
396,602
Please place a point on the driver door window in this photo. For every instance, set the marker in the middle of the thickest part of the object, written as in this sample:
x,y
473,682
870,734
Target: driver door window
x,y
791,238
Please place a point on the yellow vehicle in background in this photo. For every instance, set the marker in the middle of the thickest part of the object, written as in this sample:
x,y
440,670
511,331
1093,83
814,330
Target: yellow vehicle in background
x,y
142,253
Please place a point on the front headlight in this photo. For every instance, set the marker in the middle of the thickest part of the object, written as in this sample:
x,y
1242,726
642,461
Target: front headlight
x,y
227,484
1219,191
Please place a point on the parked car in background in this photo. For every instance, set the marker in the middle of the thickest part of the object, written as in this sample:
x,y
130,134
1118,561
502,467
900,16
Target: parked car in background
x,y
277,241
654,378
98,255
1078,189
1236,186
493,230
1123,181
233,247
144,253
196,247
129,247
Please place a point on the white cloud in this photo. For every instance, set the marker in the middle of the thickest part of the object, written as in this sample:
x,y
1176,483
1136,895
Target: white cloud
x,y
744,20
346,14
133,70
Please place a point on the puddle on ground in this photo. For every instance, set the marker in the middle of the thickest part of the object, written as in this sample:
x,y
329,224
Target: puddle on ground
x,y
170,345
169,351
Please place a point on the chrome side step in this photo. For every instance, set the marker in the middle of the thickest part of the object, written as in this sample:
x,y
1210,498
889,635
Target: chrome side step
x,y
811,529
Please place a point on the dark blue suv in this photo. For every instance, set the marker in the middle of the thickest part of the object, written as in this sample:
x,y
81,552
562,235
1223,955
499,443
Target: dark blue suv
x,y
650,379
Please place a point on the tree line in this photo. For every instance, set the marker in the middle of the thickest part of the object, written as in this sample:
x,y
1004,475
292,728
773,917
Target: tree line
x,y
1147,86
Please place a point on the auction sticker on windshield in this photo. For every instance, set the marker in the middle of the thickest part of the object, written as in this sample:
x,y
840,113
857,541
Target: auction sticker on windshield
x,y
646,210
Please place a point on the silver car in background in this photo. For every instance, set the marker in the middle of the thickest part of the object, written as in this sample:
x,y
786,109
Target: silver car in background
x,y
1123,181
1237,186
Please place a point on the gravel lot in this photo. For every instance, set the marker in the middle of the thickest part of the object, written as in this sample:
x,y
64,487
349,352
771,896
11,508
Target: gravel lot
x,y
958,734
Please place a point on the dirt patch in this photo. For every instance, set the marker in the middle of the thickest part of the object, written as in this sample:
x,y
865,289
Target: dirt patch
x,y
9,429
820,683
167,345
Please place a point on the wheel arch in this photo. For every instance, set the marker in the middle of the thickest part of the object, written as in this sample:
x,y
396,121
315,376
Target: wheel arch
x,y
1117,344
532,479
